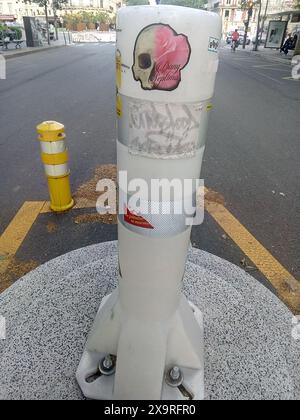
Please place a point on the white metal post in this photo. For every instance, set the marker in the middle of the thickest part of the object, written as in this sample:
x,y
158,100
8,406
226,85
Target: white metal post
x,y
147,338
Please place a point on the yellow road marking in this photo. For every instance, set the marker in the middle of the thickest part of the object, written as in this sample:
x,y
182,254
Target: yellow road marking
x,y
285,284
15,233
46,208
79,204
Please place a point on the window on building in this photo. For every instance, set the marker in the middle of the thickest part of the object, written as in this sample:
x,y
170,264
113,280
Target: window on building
x,y
295,19
10,8
227,13
228,2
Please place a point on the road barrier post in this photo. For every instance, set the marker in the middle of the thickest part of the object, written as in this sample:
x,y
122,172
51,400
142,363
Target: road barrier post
x,y
147,339
297,46
55,157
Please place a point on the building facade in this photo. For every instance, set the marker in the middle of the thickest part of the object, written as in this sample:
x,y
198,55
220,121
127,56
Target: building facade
x,y
234,17
75,6
14,10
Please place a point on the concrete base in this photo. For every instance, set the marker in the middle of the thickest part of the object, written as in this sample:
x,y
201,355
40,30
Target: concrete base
x,y
249,349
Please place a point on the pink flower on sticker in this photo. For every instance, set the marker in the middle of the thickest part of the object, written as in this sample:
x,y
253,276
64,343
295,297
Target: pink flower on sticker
x,y
159,56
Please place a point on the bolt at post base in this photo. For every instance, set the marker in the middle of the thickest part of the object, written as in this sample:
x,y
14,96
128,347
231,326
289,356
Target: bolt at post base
x,y
107,365
174,377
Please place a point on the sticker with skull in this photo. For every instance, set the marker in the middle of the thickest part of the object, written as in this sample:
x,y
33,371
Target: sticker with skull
x,y
159,56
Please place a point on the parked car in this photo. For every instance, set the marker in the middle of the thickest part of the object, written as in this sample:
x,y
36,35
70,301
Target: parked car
x,y
263,39
229,38
242,35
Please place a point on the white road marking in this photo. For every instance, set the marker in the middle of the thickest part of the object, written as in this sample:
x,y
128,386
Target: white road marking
x,y
269,77
90,44
291,78
270,67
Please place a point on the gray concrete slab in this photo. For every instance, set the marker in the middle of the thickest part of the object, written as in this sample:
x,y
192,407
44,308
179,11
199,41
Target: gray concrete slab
x,y
249,349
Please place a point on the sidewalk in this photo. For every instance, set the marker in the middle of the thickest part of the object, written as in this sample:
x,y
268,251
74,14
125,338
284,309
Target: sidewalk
x,y
269,54
266,53
13,52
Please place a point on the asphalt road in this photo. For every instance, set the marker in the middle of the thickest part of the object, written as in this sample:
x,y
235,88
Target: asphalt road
x,y
253,151
251,161
72,85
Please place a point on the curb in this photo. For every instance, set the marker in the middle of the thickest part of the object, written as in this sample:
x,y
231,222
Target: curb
x,y
268,57
37,50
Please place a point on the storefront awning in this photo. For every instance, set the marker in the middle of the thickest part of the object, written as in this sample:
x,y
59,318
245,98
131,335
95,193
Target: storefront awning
x,y
7,18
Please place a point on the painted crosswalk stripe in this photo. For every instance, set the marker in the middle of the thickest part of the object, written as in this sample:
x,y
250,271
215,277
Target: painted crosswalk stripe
x,y
14,235
286,285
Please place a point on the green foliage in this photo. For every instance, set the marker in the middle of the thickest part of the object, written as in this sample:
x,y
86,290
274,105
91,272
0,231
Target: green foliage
x,y
16,30
137,2
88,17
2,29
195,4
248,4
57,4
41,3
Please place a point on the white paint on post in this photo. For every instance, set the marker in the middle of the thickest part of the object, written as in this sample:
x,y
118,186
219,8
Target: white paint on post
x,y
165,78
296,328
2,328
296,67
2,68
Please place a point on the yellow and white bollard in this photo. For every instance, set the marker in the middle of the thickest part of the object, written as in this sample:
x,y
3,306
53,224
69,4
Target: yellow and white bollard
x,y
55,157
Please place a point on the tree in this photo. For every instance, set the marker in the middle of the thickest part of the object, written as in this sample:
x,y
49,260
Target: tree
x,y
55,4
264,20
137,2
88,17
196,4
249,6
258,26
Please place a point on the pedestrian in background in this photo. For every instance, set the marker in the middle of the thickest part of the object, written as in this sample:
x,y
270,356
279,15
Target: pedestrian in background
x,y
288,45
295,40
